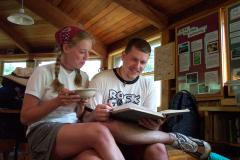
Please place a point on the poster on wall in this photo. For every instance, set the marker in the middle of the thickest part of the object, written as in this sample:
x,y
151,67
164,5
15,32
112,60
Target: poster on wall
x,y
211,49
234,40
198,55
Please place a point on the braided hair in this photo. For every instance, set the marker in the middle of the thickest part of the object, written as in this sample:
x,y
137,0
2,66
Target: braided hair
x,y
56,84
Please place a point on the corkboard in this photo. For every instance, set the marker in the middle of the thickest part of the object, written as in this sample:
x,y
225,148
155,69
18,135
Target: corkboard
x,y
199,56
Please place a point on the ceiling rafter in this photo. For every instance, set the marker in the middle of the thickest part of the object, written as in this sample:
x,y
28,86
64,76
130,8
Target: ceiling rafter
x,y
59,19
196,10
14,36
146,11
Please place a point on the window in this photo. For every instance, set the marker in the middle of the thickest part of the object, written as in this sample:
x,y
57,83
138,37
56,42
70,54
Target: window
x,y
41,63
158,85
92,67
9,67
117,61
149,69
87,67
150,65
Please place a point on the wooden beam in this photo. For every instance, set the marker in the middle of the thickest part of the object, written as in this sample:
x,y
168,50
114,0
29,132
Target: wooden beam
x,y
146,11
14,36
146,33
199,9
38,55
59,19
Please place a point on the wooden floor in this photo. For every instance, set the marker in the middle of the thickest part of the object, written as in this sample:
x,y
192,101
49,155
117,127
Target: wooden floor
x,y
175,154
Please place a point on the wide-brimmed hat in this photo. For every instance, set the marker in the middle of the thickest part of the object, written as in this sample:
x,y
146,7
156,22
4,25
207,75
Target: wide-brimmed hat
x,y
20,75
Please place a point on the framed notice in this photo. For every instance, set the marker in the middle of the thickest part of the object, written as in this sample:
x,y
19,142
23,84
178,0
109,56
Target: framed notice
x,y
164,62
199,57
233,42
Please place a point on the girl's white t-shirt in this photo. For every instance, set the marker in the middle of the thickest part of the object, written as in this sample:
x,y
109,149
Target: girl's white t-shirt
x,y
39,85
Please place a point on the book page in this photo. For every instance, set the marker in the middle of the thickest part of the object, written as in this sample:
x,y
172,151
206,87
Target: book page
x,y
172,111
134,112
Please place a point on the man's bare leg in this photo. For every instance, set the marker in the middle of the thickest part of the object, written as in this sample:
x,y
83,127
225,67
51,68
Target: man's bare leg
x,y
129,133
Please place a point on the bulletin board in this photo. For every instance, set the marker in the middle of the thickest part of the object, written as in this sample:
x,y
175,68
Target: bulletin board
x,y
198,57
233,42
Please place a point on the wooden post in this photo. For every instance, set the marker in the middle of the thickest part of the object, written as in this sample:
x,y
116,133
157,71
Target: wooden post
x,y
165,83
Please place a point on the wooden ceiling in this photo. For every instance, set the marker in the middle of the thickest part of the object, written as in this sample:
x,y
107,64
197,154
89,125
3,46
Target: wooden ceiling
x,y
109,21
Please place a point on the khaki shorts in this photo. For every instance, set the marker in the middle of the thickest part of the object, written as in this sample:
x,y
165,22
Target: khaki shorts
x,y
41,140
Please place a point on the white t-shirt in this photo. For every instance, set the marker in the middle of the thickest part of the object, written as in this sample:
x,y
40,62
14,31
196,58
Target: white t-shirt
x,y
112,89
39,85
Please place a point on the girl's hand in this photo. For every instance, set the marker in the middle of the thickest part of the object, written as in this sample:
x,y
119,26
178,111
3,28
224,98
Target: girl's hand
x,y
66,97
84,101
81,107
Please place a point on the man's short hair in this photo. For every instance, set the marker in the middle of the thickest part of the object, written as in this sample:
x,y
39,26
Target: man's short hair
x,y
139,44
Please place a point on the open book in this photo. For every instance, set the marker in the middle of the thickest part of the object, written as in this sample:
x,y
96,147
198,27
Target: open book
x,y
132,112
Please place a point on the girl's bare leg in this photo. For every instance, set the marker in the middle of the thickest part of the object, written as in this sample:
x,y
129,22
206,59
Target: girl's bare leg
x,y
129,133
73,139
88,155
156,151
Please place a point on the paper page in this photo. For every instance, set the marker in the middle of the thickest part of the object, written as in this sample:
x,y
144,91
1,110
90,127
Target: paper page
x,y
172,111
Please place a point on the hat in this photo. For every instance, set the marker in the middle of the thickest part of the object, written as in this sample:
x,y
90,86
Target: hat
x,y
20,75
65,34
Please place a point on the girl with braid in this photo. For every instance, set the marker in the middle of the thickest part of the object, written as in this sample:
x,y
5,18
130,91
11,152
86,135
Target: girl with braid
x,y
49,104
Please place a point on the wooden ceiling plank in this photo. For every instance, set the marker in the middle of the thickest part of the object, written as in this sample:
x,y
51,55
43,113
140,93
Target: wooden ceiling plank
x,y
55,2
68,6
109,19
102,14
120,24
78,8
90,7
124,26
121,29
138,7
57,18
13,35
94,12
125,33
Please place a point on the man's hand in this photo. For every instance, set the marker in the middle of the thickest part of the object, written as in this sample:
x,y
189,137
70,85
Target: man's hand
x,y
102,112
151,124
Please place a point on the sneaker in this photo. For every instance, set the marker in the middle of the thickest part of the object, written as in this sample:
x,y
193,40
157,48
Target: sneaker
x,y
196,147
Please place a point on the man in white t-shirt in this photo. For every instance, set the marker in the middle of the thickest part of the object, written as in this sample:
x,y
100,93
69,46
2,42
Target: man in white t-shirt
x,y
125,85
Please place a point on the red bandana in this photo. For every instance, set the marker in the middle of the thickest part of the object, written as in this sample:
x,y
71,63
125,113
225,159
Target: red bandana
x,y
65,34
